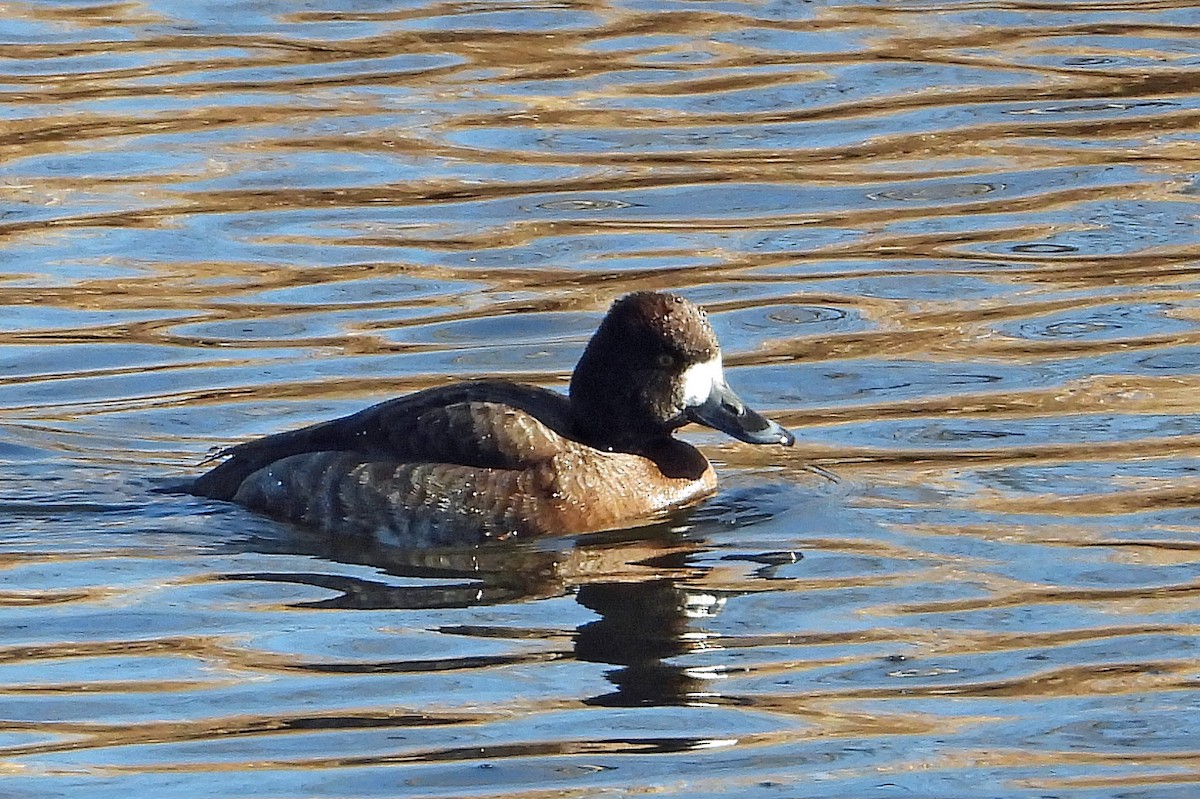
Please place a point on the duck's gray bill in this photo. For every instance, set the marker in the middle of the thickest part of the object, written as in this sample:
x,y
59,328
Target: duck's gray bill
x,y
725,411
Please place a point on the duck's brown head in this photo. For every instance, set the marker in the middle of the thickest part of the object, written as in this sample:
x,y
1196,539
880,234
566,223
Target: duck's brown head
x,y
653,365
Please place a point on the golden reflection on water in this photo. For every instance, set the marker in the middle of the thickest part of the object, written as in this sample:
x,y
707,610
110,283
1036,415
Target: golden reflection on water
x,y
952,244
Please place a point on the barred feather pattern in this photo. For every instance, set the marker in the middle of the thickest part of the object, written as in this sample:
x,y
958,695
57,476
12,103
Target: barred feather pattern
x,y
439,504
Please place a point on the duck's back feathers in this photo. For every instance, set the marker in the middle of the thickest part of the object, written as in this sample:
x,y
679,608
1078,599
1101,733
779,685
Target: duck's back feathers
x,y
484,424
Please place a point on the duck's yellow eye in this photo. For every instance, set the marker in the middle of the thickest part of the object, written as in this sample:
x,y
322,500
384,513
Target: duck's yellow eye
x,y
666,361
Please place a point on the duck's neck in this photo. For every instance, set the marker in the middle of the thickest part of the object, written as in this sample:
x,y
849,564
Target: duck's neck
x,y
594,425
674,458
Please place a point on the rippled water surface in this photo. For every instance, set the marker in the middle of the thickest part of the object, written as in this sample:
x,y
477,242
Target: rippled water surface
x,y
951,243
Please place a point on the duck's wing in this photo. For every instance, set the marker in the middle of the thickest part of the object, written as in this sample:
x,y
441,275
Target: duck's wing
x,y
488,424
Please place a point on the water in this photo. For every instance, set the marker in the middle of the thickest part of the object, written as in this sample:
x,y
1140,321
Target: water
x,y
952,244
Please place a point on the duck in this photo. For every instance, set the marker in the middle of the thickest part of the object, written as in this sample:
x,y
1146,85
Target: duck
x,y
493,459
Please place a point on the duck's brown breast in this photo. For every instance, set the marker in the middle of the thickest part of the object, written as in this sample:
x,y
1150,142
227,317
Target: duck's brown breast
x,y
594,490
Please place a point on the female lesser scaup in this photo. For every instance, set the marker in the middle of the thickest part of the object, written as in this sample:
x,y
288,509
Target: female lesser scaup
x,y
493,458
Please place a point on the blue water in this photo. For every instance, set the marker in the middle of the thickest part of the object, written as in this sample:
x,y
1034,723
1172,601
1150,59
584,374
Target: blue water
x,y
952,245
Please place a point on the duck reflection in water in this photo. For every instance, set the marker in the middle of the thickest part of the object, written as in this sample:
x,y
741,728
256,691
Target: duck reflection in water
x,y
493,459
646,586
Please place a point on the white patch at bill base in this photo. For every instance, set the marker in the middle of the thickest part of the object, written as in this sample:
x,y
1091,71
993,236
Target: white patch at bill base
x,y
699,379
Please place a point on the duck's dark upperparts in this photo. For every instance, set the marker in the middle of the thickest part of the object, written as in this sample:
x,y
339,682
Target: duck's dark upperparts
x,y
493,458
